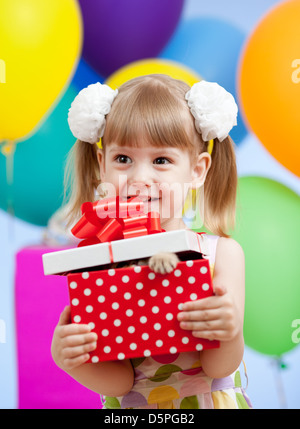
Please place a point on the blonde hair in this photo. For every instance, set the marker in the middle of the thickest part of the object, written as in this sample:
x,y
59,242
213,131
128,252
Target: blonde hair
x,y
153,108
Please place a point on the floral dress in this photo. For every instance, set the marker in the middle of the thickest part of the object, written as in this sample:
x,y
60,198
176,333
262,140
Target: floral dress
x,y
177,381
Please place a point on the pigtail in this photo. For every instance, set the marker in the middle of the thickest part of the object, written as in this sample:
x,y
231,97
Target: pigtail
x,y
82,177
220,189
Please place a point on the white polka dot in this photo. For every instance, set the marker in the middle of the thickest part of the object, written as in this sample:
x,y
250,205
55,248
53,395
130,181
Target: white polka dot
x,y
125,279
151,276
179,289
139,286
127,295
131,329
133,346
99,282
111,272
167,299
75,301
87,292
193,296
159,343
185,340
143,319
91,325
106,349
73,285
89,308
199,347
153,292
173,350
171,333
189,263
137,269
105,332
113,289
157,326
77,319
169,316
145,336
203,270
121,356
180,306
177,273
165,283
117,322
119,339
103,316
95,359
155,309
115,305
205,286
101,298
191,279
147,353
85,275
141,302
129,312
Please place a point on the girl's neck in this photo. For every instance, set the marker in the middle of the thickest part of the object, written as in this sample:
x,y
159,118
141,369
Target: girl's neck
x,y
173,224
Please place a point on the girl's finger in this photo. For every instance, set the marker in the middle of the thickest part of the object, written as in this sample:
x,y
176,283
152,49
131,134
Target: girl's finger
x,y
202,326
65,316
74,352
79,339
219,290
199,315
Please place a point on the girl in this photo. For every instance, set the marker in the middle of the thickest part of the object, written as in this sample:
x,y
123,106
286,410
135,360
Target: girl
x,y
157,131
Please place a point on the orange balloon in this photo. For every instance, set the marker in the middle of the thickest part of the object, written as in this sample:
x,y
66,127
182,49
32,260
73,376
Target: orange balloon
x,y
269,83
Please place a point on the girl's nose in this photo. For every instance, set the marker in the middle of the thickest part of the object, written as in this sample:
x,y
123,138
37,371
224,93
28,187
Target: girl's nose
x,y
141,176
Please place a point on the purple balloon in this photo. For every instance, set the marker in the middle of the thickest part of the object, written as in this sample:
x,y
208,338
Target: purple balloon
x,y
118,32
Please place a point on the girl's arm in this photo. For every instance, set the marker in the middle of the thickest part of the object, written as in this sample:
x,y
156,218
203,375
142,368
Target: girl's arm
x,y
70,349
221,316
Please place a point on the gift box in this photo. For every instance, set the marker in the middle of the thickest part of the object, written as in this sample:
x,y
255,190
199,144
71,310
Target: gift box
x,y
133,310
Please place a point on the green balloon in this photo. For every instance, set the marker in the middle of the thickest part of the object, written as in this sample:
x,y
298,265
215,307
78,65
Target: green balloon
x,y
38,168
268,229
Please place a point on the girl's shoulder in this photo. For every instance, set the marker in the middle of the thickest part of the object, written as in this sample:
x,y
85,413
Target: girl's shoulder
x,y
225,249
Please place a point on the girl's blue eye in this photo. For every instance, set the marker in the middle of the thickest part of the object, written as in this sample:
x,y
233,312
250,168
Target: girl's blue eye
x,y
161,160
123,159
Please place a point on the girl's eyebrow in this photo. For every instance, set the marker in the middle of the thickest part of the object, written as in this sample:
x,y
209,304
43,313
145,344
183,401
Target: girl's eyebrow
x,y
156,151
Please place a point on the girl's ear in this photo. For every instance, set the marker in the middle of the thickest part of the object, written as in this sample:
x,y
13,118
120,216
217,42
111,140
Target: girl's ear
x,y
101,159
200,170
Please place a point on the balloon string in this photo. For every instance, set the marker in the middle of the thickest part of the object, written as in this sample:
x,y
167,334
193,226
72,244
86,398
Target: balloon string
x,y
278,369
8,150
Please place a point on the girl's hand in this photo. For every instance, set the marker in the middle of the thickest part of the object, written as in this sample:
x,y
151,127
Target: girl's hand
x,y
212,318
71,342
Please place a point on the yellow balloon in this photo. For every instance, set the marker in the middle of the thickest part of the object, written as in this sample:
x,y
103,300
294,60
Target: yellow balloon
x,y
269,83
152,66
40,44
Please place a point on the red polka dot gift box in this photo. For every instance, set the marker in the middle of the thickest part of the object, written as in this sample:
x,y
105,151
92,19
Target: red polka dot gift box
x,y
134,310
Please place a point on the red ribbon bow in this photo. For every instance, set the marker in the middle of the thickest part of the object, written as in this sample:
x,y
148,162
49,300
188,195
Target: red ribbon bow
x,y
112,219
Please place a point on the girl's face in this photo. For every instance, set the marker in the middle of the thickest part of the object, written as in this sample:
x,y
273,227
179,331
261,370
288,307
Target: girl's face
x,y
160,176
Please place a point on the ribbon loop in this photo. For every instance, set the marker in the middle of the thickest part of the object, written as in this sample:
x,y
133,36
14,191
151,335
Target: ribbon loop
x,y
113,219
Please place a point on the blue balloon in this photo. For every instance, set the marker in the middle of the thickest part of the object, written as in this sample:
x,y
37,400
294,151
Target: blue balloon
x,y
85,75
211,47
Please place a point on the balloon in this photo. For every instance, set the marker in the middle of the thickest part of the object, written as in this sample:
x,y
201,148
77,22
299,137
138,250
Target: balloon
x,y
269,83
40,44
152,66
85,76
37,188
119,32
212,48
268,231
